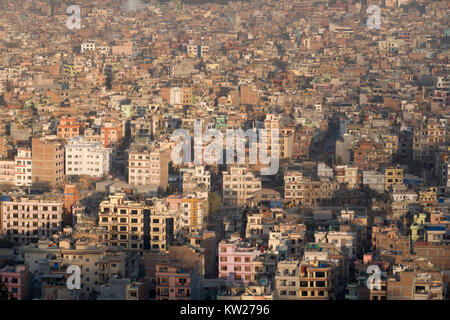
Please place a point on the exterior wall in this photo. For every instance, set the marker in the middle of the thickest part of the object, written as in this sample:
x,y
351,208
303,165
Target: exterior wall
x,y
47,161
149,168
235,264
29,220
23,168
16,280
7,172
85,158
239,185
172,283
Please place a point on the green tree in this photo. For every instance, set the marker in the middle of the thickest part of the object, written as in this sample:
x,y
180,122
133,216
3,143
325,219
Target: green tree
x,y
214,201
4,293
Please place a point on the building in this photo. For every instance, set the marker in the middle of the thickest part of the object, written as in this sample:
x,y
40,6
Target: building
x,y
235,260
317,281
392,176
293,185
7,172
239,184
174,282
287,280
27,220
190,208
125,222
23,168
347,175
195,178
47,161
98,264
69,128
110,134
374,180
16,280
149,166
345,241
87,158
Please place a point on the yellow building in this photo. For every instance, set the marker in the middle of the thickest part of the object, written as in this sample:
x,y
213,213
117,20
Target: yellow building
x,y
393,176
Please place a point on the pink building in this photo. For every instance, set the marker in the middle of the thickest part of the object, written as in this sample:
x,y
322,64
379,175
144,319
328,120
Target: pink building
x,y
174,283
235,260
17,280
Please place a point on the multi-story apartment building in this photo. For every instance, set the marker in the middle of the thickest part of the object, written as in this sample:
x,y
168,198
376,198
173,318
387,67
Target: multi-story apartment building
x,y
126,223
309,192
347,175
137,226
97,263
68,128
7,172
16,280
47,161
177,283
317,280
27,220
23,167
293,185
428,136
87,158
111,133
392,176
403,200
239,185
409,283
195,178
287,280
374,180
149,166
345,241
190,209
235,260
369,156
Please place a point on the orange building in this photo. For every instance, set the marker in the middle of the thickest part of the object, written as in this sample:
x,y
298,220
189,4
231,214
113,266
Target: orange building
x,y
47,161
69,128
110,134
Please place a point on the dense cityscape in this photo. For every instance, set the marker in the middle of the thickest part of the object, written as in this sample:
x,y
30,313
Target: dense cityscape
x,y
224,150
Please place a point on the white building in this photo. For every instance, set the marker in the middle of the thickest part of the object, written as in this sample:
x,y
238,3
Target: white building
x,y
87,158
345,241
193,178
87,46
293,185
22,176
148,166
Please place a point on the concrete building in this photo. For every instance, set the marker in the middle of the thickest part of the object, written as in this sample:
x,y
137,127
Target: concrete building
x,y
7,172
374,180
177,283
235,260
17,280
239,184
87,158
47,161
195,178
27,220
149,166
23,168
